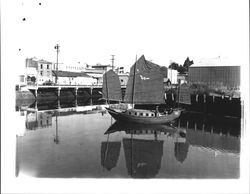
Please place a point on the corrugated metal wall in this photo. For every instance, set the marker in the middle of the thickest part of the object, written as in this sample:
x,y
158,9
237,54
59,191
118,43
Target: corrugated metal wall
x,y
219,76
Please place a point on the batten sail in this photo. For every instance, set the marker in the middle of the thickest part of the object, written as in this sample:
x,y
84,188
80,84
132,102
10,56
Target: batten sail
x,y
110,152
147,85
143,157
111,87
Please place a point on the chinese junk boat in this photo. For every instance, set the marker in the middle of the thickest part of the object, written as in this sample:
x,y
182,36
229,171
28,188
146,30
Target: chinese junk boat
x,y
111,87
144,87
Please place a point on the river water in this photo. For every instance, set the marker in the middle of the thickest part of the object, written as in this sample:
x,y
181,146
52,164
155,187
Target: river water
x,y
79,139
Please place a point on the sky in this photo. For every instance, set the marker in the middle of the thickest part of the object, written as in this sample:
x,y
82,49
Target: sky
x,y
90,31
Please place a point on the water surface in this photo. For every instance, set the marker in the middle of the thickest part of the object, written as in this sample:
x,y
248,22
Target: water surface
x,y
82,140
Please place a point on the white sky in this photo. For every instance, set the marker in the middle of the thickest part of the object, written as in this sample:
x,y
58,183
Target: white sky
x,y
89,31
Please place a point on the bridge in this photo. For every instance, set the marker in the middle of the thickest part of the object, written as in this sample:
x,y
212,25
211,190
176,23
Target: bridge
x,y
75,89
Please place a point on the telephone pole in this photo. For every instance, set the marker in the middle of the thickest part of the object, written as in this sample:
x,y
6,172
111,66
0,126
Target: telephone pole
x,y
57,52
112,60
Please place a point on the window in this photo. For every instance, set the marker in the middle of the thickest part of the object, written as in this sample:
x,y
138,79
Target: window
x,y
135,113
48,73
41,66
141,114
47,66
122,80
129,113
147,114
152,115
41,73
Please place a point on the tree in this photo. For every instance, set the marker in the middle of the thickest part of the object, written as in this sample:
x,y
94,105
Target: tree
x,y
187,63
182,69
174,65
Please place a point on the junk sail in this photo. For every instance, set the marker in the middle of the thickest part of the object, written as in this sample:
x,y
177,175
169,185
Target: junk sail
x,y
147,85
143,157
110,152
111,87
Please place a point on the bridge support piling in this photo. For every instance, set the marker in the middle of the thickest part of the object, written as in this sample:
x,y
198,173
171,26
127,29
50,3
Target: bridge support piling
x,y
36,105
76,105
76,90
58,104
58,92
36,93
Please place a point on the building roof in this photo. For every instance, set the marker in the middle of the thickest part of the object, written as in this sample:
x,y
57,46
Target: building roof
x,y
214,62
100,66
43,61
70,74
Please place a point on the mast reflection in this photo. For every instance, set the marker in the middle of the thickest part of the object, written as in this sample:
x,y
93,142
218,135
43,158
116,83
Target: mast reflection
x,y
56,138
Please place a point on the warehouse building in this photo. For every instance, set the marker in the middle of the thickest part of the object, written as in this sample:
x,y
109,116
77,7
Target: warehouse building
x,y
215,73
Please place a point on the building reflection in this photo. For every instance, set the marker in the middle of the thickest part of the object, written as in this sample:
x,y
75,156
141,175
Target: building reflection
x,y
36,120
216,133
40,114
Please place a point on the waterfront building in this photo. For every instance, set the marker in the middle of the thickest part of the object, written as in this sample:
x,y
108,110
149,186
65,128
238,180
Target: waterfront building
x,y
171,76
123,77
21,81
97,71
77,67
73,78
217,73
38,71
182,78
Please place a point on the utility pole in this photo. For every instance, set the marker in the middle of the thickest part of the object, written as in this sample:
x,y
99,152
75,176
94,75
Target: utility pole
x,y
112,60
57,52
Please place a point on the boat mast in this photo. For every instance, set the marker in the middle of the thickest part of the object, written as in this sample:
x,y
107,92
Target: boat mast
x,y
106,82
178,93
133,88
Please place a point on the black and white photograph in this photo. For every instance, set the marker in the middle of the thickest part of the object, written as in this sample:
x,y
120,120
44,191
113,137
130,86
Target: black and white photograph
x,y
135,96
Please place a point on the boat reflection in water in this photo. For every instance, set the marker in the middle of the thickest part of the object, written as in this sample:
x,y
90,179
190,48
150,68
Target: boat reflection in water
x,y
81,142
143,156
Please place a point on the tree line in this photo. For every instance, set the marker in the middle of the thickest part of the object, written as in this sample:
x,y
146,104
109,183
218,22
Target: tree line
x,y
182,69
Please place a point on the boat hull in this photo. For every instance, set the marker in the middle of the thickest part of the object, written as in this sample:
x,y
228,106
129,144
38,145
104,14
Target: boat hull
x,y
124,117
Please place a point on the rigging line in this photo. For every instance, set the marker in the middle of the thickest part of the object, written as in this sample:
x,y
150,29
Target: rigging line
x,y
134,81
106,80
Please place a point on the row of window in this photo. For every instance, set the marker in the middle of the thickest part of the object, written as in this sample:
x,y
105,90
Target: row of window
x,y
141,114
41,73
41,66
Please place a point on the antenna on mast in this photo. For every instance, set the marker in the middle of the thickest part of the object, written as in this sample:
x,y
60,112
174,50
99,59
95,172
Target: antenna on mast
x,y
112,60
133,88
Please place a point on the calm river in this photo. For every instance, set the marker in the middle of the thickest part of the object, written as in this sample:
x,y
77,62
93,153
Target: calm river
x,y
76,139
